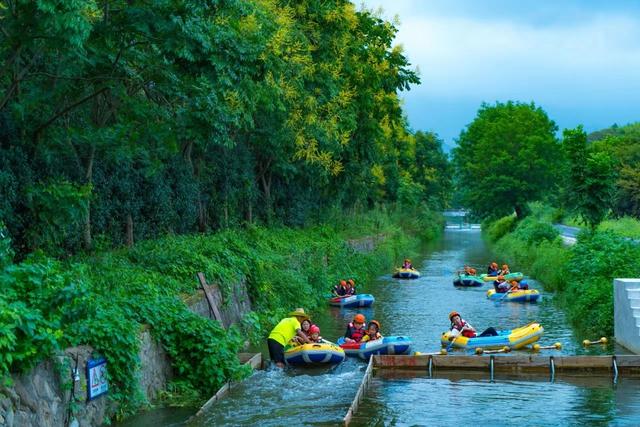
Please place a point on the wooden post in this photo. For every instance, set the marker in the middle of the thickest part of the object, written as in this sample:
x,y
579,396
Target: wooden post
x,y
213,308
360,393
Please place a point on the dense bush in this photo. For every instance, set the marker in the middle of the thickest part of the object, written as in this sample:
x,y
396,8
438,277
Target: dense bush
x,y
582,275
531,231
104,299
496,229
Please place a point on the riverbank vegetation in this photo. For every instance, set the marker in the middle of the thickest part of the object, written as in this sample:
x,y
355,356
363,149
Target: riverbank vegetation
x,y
581,274
105,299
142,142
126,121
509,158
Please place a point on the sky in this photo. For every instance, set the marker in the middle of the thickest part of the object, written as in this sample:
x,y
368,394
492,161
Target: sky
x,y
577,59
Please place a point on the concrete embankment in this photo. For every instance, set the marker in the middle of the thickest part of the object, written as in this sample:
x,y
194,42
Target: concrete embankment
x,y
43,397
626,304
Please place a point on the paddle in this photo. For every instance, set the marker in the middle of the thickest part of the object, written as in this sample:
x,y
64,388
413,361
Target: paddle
x,y
505,294
452,341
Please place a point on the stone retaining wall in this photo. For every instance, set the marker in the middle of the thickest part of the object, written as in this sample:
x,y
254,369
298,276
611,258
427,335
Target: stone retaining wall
x,y
42,397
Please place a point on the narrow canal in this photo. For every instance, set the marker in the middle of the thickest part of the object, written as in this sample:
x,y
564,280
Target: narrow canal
x,y
419,309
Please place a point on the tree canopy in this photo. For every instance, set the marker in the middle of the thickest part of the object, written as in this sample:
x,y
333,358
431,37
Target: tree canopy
x,y
125,120
506,157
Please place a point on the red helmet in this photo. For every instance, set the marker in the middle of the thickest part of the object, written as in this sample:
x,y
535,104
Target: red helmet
x,y
343,283
359,318
314,329
453,313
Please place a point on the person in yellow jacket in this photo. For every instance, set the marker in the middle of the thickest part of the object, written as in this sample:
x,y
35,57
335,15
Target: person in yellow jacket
x,y
283,332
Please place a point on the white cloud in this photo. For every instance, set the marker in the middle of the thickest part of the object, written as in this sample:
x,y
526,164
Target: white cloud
x,y
579,63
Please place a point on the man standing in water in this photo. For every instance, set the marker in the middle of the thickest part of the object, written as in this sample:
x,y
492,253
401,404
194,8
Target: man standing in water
x,y
283,333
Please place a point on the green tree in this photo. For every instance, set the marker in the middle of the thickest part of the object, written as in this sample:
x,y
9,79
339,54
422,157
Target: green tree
x,y
590,182
506,157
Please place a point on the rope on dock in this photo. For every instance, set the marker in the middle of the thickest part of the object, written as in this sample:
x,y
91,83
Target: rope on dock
x,y
366,380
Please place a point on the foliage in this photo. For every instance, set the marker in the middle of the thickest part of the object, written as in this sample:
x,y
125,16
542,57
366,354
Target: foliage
x,y
591,178
104,299
582,275
507,157
496,229
622,145
139,120
625,227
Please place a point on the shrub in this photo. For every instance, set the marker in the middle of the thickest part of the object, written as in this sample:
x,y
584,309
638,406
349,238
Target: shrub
x,y
501,227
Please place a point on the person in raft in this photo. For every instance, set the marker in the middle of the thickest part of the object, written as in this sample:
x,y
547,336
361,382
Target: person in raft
x,y
355,330
351,286
461,326
341,289
492,270
407,264
305,327
373,331
505,270
314,334
283,333
469,271
500,285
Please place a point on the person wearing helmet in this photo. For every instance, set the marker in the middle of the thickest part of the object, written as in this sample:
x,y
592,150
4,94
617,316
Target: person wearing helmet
x,y
461,326
283,332
373,331
407,264
314,334
492,270
351,287
355,330
341,289
500,285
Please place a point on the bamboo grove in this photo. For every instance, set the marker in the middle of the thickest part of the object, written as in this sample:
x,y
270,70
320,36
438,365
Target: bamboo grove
x,y
127,120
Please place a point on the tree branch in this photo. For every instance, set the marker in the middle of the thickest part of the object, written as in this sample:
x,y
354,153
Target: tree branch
x,y
67,109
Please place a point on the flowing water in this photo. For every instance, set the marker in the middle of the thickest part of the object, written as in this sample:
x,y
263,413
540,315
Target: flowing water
x,y
419,309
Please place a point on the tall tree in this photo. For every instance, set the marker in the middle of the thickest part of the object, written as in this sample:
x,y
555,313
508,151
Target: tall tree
x,y
506,157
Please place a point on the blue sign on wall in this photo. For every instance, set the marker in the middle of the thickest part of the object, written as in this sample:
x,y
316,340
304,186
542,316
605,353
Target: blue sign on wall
x,y
96,378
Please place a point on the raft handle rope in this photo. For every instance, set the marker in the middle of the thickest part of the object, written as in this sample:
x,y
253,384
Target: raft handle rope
x,y
552,367
615,370
491,368
430,366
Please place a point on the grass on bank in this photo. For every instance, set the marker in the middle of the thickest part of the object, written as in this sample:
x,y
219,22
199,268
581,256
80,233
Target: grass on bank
x,y
582,274
103,300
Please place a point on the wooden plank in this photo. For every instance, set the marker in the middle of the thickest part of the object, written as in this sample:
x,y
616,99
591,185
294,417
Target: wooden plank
x,y
222,392
512,363
364,384
213,307
252,359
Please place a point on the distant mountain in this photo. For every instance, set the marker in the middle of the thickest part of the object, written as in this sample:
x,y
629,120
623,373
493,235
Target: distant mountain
x,y
614,130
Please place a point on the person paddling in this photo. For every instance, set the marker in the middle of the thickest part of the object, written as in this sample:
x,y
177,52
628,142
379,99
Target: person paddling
x,y
283,332
492,270
460,326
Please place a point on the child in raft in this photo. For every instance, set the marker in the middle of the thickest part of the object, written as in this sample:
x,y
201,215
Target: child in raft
x,y
341,289
469,271
505,270
351,287
355,330
373,331
305,328
492,270
314,334
500,285
407,264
